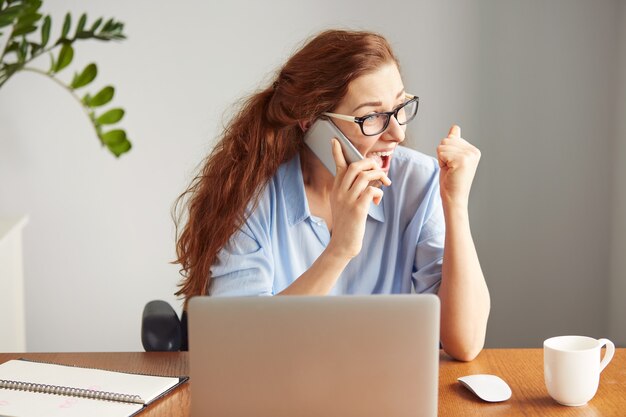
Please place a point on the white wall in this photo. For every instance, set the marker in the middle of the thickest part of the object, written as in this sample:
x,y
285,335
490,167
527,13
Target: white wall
x,y
617,311
548,72
531,83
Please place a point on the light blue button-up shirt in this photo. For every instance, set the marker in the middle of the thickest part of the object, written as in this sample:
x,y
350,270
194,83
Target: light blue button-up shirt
x,y
402,247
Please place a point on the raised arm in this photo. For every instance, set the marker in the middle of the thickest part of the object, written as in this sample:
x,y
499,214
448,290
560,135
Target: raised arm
x,y
465,301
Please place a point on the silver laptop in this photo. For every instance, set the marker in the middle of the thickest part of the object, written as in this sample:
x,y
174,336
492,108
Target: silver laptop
x,y
335,356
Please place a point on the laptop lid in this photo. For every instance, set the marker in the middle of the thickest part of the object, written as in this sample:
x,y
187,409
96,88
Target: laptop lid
x,y
334,356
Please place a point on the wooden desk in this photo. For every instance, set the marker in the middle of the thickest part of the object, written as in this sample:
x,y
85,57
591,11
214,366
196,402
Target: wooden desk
x,y
521,368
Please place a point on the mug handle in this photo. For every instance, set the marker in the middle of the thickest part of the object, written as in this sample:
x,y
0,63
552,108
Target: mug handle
x,y
608,355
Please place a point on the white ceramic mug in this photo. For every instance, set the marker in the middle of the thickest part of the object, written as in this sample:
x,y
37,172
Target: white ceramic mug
x,y
572,366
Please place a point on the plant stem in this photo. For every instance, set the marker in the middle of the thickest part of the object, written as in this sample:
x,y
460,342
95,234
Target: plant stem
x,y
69,90
4,48
22,66
6,44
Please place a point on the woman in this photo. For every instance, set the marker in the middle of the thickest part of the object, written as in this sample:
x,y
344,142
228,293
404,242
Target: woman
x,y
265,217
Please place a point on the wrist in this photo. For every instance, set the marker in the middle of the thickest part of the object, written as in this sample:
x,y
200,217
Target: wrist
x,y
454,203
455,210
337,253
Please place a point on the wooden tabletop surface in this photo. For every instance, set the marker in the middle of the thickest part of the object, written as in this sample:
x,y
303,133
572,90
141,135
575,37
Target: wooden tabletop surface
x,y
522,369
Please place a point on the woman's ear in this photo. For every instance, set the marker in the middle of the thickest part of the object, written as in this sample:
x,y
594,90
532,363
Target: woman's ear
x,y
305,124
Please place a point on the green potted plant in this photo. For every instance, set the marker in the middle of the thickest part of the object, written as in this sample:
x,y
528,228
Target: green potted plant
x,y
25,36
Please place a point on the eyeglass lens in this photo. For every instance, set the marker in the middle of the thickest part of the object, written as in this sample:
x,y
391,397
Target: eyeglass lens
x,y
378,122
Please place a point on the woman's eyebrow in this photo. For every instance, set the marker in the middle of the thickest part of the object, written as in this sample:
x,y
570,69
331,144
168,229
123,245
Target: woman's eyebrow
x,y
376,103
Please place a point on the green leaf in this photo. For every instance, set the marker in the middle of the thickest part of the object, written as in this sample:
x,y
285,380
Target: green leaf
x,y
108,25
5,21
22,51
86,100
95,25
103,97
113,137
10,69
111,30
12,11
81,24
13,47
8,15
85,77
30,6
24,30
28,19
66,26
65,57
110,117
34,48
45,31
121,148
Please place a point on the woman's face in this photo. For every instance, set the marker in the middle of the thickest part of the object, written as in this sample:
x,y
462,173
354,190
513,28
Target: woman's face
x,y
379,91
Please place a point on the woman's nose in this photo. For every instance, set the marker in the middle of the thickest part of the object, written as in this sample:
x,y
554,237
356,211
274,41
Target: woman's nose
x,y
394,132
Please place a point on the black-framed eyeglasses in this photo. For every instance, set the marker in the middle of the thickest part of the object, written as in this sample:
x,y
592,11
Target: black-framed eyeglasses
x,y
376,123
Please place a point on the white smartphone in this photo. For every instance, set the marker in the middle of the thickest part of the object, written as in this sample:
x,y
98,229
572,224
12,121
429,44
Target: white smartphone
x,y
318,137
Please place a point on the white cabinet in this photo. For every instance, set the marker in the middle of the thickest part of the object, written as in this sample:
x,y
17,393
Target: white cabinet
x,y
12,322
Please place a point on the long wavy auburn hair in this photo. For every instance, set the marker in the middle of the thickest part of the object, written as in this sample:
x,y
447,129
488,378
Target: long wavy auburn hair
x,y
264,134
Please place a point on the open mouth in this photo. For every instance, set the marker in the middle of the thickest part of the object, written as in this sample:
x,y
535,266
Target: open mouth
x,y
386,159
383,159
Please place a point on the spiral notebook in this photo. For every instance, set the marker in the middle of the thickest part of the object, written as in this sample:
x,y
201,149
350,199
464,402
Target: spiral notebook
x,y
30,388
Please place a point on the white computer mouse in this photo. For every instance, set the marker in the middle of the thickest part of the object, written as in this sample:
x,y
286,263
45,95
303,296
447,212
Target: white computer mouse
x,y
489,388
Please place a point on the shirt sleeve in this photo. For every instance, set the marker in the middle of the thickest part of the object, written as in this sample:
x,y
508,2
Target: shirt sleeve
x,y
243,267
430,243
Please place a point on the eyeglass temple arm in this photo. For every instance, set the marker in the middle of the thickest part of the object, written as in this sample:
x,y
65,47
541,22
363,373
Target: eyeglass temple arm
x,y
340,116
352,118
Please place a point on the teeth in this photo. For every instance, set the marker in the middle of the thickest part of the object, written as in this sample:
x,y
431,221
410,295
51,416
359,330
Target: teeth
x,y
381,153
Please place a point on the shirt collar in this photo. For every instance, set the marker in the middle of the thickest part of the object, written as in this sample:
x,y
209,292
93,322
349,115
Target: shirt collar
x,y
292,183
290,176
377,212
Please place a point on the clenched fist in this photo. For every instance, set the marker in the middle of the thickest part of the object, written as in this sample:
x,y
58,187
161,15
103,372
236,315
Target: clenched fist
x,y
458,160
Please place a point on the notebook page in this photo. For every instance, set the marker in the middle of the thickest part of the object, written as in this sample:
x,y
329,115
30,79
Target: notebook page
x,y
147,387
28,404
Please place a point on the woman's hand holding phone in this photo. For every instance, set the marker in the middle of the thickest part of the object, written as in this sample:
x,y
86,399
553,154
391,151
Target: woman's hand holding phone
x,y
350,199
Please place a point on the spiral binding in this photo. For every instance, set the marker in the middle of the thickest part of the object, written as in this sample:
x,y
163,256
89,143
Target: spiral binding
x,y
69,391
